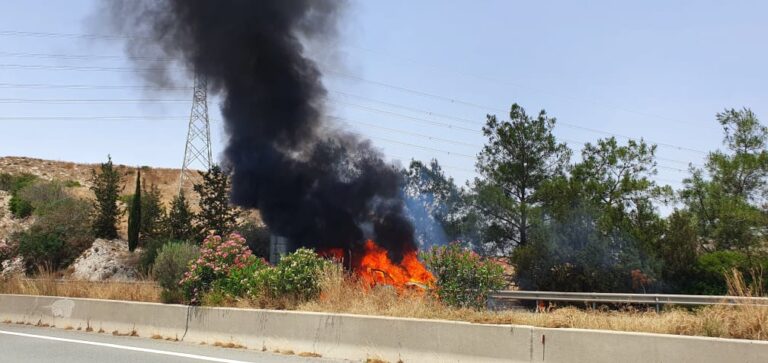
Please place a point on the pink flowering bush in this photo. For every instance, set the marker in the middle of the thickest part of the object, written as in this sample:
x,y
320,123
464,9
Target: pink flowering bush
x,y
218,258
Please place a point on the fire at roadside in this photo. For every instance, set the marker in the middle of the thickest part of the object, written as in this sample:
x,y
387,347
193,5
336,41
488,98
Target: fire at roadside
x,y
372,264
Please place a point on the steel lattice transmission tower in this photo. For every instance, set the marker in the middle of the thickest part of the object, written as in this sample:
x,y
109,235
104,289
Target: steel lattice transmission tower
x,y
197,152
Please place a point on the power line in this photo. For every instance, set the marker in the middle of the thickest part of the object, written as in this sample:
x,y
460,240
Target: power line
x,y
418,119
91,86
75,101
453,142
462,73
62,35
79,68
341,74
80,56
482,107
155,118
508,83
76,118
367,108
459,127
447,152
80,101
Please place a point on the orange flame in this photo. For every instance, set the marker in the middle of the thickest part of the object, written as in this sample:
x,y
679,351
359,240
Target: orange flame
x,y
375,268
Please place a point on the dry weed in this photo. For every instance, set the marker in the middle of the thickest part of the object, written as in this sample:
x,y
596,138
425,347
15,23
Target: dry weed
x,y
343,293
47,284
309,355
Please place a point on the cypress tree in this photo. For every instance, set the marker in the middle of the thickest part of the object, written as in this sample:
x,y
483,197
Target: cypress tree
x,y
134,218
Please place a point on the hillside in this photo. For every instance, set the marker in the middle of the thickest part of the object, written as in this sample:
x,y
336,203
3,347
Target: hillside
x,y
166,179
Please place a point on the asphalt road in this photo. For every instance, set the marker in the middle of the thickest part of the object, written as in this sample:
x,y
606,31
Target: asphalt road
x,y
20,343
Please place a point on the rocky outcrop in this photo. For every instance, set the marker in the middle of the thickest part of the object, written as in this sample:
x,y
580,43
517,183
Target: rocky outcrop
x,y
107,260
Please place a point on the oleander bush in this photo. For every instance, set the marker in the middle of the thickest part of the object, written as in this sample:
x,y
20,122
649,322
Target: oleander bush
x,y
463,278
218,256
296,276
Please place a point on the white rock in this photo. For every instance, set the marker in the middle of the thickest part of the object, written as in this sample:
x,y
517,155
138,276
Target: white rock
x,y
14,266
106,260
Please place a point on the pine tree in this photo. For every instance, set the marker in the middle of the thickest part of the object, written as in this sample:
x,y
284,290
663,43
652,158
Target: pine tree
x,y
178,225
216,214
134,218
106,186
152,212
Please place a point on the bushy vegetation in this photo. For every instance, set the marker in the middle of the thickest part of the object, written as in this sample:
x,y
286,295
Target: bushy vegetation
x,y
217,257
226,269
296,275
594,224
168,268
57,236
463,278
19,207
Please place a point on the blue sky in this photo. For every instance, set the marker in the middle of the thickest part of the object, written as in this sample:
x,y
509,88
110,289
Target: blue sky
x,y
418,78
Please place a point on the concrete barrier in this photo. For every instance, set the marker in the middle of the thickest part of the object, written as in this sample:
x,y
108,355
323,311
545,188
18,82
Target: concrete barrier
x,y
582,345
125,317
360,337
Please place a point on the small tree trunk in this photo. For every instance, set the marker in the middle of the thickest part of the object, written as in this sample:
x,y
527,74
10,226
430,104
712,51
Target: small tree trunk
x,y
134,218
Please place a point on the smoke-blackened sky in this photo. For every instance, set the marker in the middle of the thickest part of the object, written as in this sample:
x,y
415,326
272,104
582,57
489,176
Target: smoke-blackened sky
x,y
314,184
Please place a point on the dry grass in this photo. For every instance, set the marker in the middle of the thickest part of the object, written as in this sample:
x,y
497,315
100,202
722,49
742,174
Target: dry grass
x,y
228,345
309,355
48,285
342,293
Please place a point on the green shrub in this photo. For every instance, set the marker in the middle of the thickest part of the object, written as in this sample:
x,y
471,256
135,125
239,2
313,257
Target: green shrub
x,y
14,182
42,194
149,253
20,208
170,265
72,184
35,196
463,279
297,275
711,269
245,280
58,236
42,248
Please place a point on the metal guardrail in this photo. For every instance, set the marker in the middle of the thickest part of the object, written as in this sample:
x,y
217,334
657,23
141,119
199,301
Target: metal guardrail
x,y
615,298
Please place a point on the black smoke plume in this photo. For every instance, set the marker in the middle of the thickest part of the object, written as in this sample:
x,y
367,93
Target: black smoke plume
x,y
315,185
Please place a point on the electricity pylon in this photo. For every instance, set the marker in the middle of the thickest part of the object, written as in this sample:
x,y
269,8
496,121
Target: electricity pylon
x,y
197,152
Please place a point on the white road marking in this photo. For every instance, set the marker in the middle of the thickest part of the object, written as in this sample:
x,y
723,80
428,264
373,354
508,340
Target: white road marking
x,y
126,347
